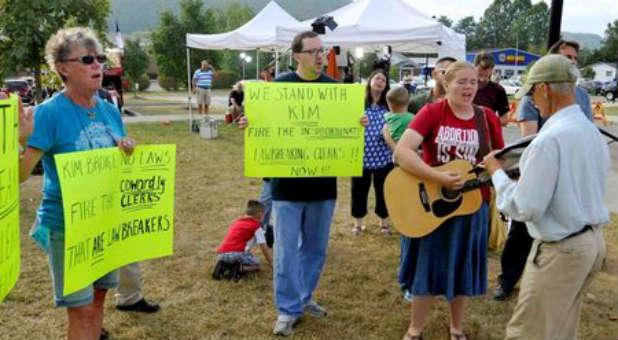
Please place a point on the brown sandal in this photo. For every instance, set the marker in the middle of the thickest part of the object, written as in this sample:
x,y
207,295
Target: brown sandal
x,y
410,336
458,336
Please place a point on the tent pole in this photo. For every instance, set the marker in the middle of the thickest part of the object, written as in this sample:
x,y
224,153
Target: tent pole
x,y
257,64
189,89
276,64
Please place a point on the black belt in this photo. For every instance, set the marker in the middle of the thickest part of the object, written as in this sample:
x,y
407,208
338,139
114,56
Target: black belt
x,y
583,230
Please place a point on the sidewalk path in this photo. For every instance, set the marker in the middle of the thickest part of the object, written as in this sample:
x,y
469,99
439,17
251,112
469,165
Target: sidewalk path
x,y
162,118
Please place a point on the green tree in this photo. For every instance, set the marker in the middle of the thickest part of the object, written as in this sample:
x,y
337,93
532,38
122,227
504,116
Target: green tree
x,y
168,40
588,73
494,24
468,27
135,61
609,49
231,18
537,26
444,20
25,27
516,32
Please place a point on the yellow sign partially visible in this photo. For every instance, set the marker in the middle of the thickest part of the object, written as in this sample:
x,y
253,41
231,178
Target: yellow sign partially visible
x,y
9,195
304,129
118,209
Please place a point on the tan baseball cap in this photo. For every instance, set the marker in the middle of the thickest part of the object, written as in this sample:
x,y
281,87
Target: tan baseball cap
x,y
553,68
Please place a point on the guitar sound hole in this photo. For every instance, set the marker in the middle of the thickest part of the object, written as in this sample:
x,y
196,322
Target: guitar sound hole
x,y
450,195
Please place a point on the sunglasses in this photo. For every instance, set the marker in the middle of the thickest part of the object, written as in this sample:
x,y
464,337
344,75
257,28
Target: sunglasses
x,y
89,59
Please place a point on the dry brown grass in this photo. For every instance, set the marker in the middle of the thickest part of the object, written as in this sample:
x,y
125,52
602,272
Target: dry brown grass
x,y
358,287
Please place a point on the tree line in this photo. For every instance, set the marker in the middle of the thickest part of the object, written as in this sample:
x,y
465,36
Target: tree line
x,y
25,27
519,23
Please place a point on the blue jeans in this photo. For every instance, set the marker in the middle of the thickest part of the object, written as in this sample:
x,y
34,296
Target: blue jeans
x,y
243,257
301,238
267,199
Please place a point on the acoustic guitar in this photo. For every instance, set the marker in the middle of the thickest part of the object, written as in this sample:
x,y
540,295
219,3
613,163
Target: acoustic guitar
x,y
418,206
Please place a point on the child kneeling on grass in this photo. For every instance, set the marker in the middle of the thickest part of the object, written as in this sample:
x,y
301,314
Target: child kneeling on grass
x,y
242,235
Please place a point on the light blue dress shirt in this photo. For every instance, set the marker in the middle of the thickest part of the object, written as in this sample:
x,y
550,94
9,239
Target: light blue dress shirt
x,y
562,183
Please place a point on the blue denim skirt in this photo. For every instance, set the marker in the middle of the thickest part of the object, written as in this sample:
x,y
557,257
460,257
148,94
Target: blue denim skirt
x,y
452,260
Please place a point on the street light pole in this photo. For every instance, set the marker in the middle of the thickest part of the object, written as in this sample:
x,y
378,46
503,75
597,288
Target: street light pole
x,y
555,21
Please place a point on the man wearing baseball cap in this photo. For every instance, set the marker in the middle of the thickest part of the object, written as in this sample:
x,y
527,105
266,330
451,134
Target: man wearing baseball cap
x,y
560,197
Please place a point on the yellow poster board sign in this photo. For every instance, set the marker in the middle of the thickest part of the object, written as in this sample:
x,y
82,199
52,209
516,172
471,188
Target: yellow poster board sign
x,y
9,195
304,129
118,209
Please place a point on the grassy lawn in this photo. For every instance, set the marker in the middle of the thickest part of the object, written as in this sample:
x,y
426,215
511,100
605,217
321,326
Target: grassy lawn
x,y
359,284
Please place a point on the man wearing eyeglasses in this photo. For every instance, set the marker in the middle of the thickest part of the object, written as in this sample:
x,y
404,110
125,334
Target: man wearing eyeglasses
x,y
303,209
518,242
560,197
435,93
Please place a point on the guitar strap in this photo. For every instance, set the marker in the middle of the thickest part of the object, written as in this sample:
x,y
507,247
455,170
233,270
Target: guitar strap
x,y
481,128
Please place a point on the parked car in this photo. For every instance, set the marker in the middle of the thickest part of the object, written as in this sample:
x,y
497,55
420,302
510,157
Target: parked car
x,y
610,91
591,86
510,86
20,87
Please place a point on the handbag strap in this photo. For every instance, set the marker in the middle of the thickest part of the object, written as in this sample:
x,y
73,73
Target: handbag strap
x,y
481,127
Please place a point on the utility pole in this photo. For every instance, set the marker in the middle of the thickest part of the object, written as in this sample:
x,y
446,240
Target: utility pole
x,y
555,21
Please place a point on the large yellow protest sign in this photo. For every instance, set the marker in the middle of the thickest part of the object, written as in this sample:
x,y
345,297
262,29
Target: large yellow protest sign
x,y
304,129
9,195
118,209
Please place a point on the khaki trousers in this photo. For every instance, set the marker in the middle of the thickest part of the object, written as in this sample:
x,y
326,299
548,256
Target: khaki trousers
x,y
552,286
130,288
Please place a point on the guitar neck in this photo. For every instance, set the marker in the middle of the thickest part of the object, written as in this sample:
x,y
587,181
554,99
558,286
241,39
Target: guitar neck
x,y
485,180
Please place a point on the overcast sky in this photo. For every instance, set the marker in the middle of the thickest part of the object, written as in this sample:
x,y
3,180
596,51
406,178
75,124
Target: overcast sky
x,y
580,16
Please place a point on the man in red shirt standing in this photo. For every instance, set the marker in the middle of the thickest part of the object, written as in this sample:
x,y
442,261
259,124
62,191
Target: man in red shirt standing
x,y
490,94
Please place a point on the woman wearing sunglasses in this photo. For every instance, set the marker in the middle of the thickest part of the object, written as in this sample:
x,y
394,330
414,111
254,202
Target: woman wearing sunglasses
x,y
73,120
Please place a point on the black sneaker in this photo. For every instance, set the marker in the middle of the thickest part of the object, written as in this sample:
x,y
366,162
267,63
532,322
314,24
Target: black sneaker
x,y
501,293
217,273
141,306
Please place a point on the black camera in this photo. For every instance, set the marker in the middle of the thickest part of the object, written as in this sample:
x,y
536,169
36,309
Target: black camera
x,y
320,23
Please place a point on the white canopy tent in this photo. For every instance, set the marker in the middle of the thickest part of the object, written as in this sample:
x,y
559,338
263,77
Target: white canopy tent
x,y
257,34
373,24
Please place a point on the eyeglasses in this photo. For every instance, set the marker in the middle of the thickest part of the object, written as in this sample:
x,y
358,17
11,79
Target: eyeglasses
x,y
314,51
89,59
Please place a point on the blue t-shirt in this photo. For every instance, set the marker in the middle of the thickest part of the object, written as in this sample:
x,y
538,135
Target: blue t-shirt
x,y
60,126
203,79
377,153
526,110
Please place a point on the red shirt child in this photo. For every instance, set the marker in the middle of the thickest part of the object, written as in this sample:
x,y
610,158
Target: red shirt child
x,y
243,234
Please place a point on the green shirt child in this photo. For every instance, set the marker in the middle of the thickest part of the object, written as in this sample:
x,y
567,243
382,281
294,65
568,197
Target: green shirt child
x,y
398,119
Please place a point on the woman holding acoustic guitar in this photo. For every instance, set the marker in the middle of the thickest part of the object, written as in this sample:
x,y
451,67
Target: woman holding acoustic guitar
x,y
452,260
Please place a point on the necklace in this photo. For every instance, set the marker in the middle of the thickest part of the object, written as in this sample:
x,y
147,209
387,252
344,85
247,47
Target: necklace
x,y
91,116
